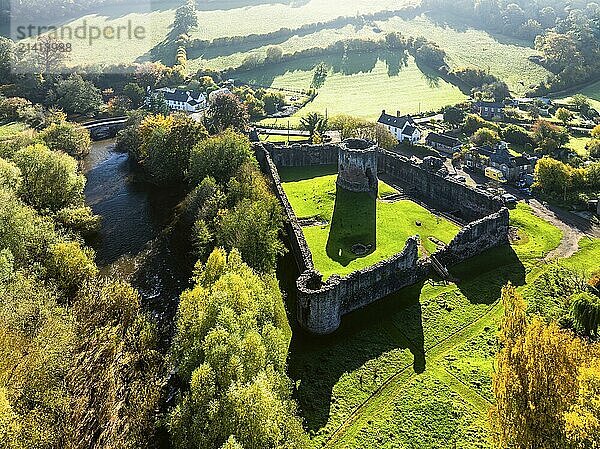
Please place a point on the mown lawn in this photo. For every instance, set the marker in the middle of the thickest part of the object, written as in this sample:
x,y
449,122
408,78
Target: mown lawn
x,y
358,218
414,370
536,236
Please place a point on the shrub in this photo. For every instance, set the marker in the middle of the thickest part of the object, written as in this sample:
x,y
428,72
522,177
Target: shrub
x,y
586,313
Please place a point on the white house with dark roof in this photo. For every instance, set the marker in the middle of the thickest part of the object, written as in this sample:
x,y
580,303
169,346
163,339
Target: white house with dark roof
x,y
402,127
183,100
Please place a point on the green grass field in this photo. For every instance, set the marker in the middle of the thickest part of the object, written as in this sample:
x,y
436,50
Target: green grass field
x,y
592,92
414,370
363,85
578,144
469,47
239,18
357,218
156,20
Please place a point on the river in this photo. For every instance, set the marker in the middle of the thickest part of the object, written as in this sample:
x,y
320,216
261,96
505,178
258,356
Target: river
x,y
135,242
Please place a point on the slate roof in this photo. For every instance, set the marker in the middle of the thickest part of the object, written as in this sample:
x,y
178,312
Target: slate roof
x,y
409,130
396,122
178,95
490,104
443,139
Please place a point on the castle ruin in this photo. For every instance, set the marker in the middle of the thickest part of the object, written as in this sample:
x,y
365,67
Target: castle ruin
x,y
321,304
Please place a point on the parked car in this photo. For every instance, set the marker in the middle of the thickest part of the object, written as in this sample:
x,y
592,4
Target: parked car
x,y
509,199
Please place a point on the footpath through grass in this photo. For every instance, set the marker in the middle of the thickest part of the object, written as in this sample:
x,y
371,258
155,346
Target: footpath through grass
x,y
358,218
414,370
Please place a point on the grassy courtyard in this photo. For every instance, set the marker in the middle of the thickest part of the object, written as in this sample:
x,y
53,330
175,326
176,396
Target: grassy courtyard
x,y
414,370
357,218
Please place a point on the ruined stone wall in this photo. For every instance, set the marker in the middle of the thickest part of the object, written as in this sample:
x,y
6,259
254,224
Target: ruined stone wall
x,y
321,306
302,155
445,194
475,238
293,229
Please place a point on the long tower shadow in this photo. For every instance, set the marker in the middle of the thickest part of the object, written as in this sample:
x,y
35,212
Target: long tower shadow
x,y
353,229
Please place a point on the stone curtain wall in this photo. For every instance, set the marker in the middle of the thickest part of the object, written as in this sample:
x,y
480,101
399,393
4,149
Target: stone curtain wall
x,y
293,229
321,305
476,238
303,155
445,194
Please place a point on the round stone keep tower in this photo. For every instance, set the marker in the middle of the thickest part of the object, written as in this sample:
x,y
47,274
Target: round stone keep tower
x,y
357,166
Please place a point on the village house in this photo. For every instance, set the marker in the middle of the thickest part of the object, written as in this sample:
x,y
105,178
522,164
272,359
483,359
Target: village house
x,y
183,100
514,168
214,94
489,109
404,128
444,143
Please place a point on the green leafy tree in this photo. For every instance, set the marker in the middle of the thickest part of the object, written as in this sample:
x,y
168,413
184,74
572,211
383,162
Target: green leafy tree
x,y
166,143
70,265
580,103
10,175
454,116
157,104
51,180
35,355
593,147
253,228
535,382
79,219
314,123
77,96
135,93
219,157
485,136
230,349
272,101
70,138
549,138
227,111
274,54
596,132
564,115
551,176
185,17
23,232
117,377
517,135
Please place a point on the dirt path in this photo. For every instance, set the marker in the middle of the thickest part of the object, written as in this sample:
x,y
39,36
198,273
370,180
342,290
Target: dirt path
x,y
572,226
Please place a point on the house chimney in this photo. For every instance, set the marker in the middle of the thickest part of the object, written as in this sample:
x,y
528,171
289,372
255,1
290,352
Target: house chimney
x,y
397,113
383,112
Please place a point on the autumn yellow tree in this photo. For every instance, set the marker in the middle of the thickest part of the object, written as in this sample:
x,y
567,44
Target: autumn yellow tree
x,y
539,381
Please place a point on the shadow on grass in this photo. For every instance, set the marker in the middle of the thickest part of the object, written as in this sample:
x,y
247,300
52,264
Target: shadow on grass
x,y
318,363
293,174
354,221
482,277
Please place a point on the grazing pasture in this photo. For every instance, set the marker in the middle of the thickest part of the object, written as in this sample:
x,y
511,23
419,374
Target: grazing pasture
x,y
363,84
